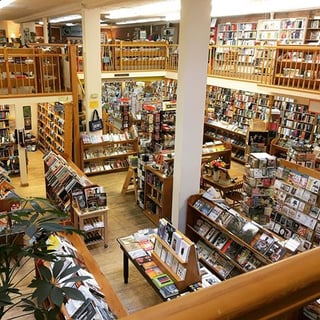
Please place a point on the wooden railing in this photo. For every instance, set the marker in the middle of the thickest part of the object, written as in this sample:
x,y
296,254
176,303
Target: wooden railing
x,y
276,291
45,68
35,70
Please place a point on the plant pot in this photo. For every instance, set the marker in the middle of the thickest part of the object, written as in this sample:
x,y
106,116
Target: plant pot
x,y
216,175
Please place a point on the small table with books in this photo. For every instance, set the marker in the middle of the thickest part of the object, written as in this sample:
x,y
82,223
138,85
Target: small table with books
x,y
222,185
167,260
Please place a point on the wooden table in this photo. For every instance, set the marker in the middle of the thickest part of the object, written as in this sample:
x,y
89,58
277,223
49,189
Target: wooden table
x,y
222,185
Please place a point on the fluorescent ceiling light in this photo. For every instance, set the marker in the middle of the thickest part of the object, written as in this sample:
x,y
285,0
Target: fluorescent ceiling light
x,y
140,20
4,3
66,18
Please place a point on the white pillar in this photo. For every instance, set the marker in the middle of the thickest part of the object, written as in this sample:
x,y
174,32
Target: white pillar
x,y
45,30
91,60
191,94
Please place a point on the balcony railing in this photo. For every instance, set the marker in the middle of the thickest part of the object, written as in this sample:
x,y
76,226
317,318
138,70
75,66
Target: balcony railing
x,y
46,68
30,71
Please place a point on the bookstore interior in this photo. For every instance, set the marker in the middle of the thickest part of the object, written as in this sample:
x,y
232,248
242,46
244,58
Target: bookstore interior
x,y
257,212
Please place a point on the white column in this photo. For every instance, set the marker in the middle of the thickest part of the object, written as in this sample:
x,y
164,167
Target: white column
x,y
45,30
191,93
91,60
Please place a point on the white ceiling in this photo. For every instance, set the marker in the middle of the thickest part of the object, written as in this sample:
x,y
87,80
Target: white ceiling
x,y
34,10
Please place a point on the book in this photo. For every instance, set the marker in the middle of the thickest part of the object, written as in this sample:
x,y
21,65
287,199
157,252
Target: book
x,y
169,229
276,251
161,227
263,243
169,291
221,241
144,259
249,231
153,272
162,280
181,271
184,250
209,280
176,242
148,265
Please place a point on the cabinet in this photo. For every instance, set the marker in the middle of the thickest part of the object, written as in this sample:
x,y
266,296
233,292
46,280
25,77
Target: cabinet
x,y
158,195
18,71
229,244
144,56
93,224
106,153
313,31
268,31
55,124
297,67
293,31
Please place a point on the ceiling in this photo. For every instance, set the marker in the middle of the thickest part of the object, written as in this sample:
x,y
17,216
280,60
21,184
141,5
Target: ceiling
x,y
21,11
32,10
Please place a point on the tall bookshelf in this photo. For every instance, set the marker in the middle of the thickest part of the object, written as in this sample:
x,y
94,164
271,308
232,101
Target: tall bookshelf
x,y
157,194
8,151
55,127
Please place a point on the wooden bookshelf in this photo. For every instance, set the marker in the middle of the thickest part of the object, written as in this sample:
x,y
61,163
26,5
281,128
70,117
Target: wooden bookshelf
x,y
106,153
228,243
157,194
55,127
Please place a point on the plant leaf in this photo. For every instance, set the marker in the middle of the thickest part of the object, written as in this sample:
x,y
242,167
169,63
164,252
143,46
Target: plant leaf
x,y
74,293
57,296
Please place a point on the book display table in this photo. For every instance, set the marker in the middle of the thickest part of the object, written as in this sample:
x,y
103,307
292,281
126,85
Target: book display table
x,y
167,260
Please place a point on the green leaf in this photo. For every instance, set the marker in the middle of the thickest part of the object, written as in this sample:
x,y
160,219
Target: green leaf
x,y
74,293
76,279
31,230
45,273
69,271
42,292
57,296
57,267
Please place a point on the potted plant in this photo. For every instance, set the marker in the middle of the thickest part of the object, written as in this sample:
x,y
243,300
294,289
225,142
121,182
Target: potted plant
x,y
25,238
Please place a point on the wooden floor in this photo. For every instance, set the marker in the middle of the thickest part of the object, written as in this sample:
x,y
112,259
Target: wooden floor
x,y
125,217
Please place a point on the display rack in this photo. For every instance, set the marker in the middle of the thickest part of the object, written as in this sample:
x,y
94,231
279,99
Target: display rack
x,y
157,194
228,243
296,204
55,127
93,224
176,256
313,30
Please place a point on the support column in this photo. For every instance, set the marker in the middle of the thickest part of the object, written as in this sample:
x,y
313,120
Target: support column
x,y
191,93
45,30
91,60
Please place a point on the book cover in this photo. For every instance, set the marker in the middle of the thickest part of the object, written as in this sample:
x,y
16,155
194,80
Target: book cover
x,y
169,229
276,252
157,248
169,259
162,280
184,250
233,250
143,259
148,265
263,243
176,242
243,256
181,271
210,280
205,227
249,231
221,241
161,227
153,272
169,291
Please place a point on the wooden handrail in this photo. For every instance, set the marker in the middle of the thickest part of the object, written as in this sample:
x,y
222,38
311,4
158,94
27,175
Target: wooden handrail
x,y
275,291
